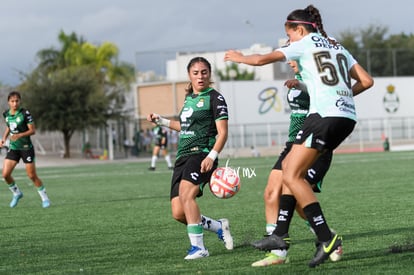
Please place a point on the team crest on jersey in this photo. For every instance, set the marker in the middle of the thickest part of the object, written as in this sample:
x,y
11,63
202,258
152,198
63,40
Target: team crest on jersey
x,y
18,119
200,103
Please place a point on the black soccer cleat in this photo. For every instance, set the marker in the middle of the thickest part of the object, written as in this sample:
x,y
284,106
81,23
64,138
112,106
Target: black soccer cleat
x,y
151,168
324,249
273,242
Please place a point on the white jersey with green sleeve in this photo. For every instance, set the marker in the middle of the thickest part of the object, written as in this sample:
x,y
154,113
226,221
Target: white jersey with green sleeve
x,y
325,71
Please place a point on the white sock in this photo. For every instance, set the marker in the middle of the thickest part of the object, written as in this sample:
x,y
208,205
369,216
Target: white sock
x,y
279,252
153,161
210,224
42,192
15,189
270,227
168,160
195,234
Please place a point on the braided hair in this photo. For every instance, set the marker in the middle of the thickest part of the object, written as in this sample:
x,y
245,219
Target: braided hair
x,y
311,19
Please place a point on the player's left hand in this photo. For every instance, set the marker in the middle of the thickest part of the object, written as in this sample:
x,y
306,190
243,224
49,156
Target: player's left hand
x,y
206,165
292,83
14,137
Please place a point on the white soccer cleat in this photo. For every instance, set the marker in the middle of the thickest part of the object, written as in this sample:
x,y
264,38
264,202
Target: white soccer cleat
x,y
224,234
196,252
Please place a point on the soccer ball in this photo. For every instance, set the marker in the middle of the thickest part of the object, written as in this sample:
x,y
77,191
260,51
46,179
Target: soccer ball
x,y
224,183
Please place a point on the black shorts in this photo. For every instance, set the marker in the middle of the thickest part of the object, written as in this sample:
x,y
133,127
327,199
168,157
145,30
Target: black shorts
x,y
162,146
324,133
188,168
28,156
317,171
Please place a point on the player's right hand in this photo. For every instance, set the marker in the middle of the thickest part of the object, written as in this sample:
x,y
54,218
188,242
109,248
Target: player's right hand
x,y
153,117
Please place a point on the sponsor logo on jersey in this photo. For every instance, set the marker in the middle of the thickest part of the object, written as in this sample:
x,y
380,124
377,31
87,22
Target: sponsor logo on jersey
x,y
186,113
345,106
321,42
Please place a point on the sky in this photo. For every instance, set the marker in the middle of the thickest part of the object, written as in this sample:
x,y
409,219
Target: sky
x,y
144,30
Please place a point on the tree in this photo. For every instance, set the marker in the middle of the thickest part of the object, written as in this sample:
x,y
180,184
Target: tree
x,y
379,53
52,59
238,74
78,86
73,97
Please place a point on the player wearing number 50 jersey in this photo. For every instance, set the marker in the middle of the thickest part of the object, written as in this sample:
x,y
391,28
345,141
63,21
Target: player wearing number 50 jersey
x,y
327,69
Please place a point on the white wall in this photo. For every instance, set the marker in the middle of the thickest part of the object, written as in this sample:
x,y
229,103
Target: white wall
x,y
177,68
247,104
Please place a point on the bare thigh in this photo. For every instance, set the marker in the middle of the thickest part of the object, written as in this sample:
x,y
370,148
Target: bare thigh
x,y
295,165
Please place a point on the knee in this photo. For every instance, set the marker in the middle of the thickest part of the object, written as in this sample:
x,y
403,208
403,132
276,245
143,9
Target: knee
x,y
268,195
179,216
7,176
32,176
288,178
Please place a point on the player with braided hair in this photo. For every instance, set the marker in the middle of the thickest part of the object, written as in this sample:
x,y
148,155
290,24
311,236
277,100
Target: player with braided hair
x,y
327,69
298,100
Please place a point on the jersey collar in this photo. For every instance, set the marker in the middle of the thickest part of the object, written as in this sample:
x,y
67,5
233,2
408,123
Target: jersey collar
x,y
206,90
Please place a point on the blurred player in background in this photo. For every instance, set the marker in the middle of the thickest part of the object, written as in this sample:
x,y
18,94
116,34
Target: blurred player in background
x,y
203,128
20,127
160,136
327,68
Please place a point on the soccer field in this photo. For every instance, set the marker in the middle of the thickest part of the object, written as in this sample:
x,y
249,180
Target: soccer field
x,y
114,218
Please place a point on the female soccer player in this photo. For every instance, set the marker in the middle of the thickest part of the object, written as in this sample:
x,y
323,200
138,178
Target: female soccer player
x,y
327,69
298,100
202,131
160,144
20,127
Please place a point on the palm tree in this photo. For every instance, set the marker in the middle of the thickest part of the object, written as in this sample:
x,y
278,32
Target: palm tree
x,y
113,77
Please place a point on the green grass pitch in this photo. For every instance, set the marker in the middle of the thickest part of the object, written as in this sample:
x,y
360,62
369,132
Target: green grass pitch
x,y
115,218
